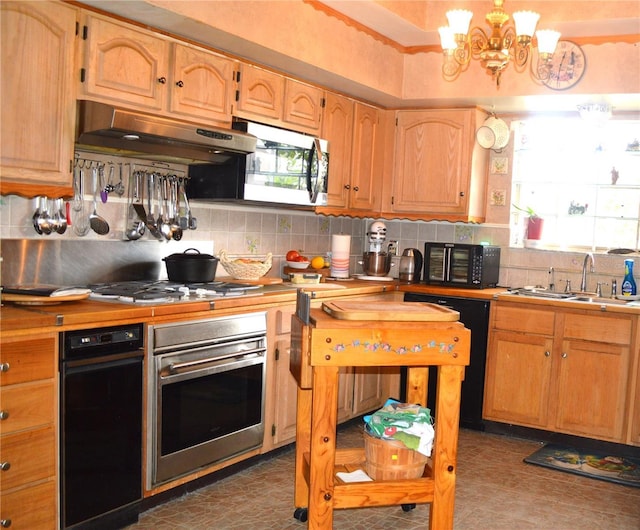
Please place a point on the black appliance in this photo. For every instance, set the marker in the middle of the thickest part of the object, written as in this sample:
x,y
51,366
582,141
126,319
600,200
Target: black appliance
x,y
461,265
101,427
286,168
474,314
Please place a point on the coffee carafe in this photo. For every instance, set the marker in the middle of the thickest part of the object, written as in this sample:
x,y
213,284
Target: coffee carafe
x,y
410,267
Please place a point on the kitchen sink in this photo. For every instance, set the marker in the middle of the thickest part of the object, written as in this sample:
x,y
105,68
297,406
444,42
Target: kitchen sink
x,y
597,300
541,293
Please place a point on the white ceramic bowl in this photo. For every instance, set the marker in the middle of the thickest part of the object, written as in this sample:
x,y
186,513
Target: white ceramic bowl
x,y
298,264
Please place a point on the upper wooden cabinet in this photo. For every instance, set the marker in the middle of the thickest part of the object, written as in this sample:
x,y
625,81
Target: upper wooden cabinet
x,y
271,98
130,66
38,114
439,171
356,150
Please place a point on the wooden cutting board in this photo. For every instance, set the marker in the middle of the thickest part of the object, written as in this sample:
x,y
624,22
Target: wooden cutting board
x,y
260,281
398,311
25,299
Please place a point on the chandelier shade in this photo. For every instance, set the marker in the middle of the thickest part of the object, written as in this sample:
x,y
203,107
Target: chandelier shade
x,y
504,44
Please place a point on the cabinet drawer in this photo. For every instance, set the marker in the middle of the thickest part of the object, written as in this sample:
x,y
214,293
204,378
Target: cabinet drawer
x,y
31,455
523,319
31,508
27,405
28,360
612,330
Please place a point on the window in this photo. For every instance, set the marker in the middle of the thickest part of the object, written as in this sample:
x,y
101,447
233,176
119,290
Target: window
x,y
584,181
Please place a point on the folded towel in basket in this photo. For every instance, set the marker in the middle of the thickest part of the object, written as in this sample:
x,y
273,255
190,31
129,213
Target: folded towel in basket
x,y
408,423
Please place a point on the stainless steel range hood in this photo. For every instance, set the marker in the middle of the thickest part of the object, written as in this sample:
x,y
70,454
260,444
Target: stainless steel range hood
x,y
105,128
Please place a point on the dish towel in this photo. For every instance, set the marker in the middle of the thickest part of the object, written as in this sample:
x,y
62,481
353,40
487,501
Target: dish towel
x,y
407,423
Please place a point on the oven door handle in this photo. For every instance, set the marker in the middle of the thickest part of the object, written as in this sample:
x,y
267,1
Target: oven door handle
x,y
200,364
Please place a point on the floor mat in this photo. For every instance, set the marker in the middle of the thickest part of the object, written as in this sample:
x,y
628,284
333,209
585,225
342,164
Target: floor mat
x,y
594,464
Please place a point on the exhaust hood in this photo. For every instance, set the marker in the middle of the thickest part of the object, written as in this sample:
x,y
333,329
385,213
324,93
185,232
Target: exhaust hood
x,y
105,128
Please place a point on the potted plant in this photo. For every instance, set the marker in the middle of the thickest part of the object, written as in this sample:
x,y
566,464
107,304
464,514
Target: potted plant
x,y
534,223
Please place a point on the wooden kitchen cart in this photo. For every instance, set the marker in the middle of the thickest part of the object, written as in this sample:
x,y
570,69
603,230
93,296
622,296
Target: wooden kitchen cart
x,y
318,350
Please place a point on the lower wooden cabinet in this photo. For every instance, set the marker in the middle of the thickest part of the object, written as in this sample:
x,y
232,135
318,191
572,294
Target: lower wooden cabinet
x,y
28,412
361,390
560,370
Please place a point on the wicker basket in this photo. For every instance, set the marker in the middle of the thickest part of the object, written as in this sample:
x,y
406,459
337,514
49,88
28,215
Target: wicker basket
x,y
245,271
391,459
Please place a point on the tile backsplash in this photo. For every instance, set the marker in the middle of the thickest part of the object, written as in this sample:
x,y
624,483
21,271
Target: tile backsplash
x,y
256,231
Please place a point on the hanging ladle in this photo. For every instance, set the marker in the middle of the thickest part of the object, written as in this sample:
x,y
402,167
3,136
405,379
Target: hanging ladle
x,y
97,223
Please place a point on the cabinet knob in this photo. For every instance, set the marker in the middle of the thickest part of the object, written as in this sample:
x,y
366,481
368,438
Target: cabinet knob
x,y
162,80
347,187
5,523
564,355
462,194
4,414
180,84
355,188
5,466
4,367
547,353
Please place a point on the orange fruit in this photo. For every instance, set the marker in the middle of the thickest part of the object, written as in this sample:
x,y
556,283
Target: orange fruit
x,y
317,262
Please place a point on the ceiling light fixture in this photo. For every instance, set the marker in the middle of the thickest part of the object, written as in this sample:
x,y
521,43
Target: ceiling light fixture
x,y
506,43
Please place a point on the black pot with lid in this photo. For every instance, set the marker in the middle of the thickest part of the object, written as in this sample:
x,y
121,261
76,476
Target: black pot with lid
x,y
191,266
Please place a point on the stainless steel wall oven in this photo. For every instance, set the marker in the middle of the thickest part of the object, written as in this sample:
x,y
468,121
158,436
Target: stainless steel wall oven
x,y
206,393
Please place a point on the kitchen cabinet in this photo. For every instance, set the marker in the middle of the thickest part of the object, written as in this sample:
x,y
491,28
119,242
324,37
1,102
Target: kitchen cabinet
x,y
37,128
559,370
139,69
439,171
355,159
361,390
28,401
269,97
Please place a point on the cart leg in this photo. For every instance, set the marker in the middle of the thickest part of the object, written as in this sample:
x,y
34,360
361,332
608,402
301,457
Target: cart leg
x,y
417,383
323,447
303,445
445,449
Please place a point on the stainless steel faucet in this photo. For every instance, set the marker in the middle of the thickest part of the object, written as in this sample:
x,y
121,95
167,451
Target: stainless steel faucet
x,y
588,257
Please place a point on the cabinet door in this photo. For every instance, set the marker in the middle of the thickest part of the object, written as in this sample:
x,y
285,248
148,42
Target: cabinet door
x,y
432,162
37,127
368,389
337,129
202,84
592,387
517,379
260,93
286,396
302,106
126,65
366,162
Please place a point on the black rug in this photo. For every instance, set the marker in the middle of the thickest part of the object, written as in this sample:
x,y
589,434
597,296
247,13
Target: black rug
x,y
593,464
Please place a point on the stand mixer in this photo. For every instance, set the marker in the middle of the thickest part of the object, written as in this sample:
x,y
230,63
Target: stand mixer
x,y
376,263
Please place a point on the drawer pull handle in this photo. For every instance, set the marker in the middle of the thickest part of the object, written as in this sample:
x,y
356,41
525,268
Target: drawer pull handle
x,y
564,355
5,523
4,367
4,414
5,466
547,353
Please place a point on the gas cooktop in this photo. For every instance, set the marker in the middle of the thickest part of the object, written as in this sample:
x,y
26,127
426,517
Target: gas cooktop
x,y
163,291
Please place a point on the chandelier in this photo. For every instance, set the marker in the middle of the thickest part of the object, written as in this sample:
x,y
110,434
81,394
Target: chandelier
x,y
504,45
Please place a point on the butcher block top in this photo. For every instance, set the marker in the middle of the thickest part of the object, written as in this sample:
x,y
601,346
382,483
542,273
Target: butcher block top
x,y
389,311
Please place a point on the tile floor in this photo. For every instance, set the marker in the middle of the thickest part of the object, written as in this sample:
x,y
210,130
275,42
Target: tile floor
x,y
495,490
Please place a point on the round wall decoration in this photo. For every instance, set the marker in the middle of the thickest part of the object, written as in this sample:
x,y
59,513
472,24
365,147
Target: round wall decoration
x,y
567,66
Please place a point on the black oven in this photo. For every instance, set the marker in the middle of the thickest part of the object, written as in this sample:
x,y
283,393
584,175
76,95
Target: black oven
x,y
461,265
206,401
101,427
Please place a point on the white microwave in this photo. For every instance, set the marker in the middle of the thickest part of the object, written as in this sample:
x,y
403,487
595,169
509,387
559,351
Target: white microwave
x,y
287,167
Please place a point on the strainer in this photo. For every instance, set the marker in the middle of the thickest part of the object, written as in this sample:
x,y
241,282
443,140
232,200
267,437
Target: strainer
x,y
500,130
485,137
